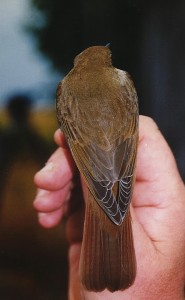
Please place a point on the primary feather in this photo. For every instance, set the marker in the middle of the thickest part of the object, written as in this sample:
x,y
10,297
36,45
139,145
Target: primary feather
x,y
103,145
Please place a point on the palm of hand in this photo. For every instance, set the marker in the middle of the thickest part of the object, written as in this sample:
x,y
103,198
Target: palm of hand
x,y
158,217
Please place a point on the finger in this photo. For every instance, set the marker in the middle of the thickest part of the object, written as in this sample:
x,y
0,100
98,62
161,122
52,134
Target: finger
x,y
74,282
154,155
47,201
57,172
158,190
156,169
154,162
60,139
51,219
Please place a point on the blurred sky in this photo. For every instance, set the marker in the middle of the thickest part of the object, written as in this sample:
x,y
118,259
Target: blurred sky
x,y
22,68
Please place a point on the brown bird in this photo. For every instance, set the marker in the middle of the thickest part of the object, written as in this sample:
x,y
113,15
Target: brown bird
x,y
98,112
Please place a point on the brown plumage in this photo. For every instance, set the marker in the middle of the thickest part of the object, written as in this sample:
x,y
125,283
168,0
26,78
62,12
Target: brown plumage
x,y
98,112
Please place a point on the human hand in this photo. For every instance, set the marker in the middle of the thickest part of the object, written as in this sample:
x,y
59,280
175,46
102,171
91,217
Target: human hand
x,y
158,217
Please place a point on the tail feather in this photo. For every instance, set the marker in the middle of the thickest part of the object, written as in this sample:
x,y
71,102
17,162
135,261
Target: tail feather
x,y
107,255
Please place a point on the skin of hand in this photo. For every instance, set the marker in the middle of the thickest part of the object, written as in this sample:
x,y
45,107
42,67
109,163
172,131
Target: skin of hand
x,y
158,217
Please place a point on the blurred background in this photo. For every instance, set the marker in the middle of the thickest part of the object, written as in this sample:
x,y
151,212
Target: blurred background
x,y
38,42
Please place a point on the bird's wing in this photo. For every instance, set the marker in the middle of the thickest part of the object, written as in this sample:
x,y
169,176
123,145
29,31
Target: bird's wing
x,y
108,174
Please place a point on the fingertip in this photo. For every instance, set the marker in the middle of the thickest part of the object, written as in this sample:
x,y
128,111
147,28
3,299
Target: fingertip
x,y
60,139
39,200
57,172
74,254
58,136
146,125
155,160
48,201
40,175
49,220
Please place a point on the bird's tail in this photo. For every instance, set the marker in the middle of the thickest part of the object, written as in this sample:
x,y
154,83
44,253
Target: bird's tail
x,y
107,255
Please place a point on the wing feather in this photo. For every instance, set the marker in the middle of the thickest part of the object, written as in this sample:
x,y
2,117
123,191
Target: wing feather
x,y
104,169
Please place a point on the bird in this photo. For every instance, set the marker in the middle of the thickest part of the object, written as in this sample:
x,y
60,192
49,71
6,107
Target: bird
x,y
97,110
